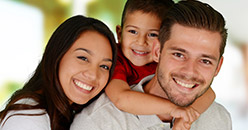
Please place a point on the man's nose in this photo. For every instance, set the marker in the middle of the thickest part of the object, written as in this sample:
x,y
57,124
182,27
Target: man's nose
x,y
190,68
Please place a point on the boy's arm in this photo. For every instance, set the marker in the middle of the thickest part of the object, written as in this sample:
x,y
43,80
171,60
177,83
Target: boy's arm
x,y
139,103
135,102
203,102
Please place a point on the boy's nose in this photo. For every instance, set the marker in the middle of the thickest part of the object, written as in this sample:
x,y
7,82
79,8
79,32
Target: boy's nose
x,y
141,40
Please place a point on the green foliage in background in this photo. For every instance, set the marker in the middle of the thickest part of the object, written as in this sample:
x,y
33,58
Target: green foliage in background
x,y
8,89
109,11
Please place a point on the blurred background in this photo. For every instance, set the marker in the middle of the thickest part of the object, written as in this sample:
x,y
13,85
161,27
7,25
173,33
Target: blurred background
x,y
26,26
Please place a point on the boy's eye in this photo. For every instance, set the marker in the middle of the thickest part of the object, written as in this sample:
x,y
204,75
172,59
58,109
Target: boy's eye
x,y
133,31
207,62
105,67
152,35
82,58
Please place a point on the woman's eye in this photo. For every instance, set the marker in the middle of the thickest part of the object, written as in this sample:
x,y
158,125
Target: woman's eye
x,y
152,35
105,67
133,31
82,58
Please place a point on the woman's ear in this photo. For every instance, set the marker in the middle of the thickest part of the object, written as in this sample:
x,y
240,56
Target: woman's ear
x,y
156,50
118,32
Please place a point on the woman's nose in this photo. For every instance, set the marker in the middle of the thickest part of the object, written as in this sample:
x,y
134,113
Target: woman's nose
x,y
91,73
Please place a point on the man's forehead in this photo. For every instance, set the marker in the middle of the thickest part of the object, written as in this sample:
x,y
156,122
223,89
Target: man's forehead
x,y
194,40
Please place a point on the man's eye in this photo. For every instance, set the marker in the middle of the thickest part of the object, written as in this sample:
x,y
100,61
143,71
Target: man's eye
x,y
133,31
206,62
178,55
82,58
105,67
152,35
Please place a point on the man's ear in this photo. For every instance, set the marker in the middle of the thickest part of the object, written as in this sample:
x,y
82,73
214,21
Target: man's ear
x,y
219,66
118,32
156,50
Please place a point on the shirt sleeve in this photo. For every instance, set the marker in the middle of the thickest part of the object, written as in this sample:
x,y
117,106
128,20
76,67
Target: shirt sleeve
x,y
120,71
84,122
17,121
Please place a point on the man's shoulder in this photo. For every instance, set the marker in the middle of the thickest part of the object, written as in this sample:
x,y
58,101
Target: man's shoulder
x,y
217,108
216,117
217,112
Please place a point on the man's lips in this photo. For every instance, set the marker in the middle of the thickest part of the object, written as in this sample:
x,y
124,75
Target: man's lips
x,y
186,85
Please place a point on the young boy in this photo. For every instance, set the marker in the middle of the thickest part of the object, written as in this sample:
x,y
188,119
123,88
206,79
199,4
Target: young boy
x,y
140,25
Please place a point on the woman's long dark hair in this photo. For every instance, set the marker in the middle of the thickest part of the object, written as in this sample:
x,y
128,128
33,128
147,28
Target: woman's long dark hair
x,y
44,86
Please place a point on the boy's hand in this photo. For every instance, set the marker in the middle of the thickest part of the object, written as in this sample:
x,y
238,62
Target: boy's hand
x,y
185,116
180,124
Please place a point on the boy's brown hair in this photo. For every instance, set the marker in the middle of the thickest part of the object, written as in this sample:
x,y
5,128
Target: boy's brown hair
x,y
155,7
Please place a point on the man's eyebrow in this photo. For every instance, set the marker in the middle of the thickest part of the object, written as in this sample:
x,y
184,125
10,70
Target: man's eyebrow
x,y
203,55
178,49
210,57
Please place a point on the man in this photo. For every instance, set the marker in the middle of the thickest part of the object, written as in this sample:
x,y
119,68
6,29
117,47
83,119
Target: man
x,y
192,41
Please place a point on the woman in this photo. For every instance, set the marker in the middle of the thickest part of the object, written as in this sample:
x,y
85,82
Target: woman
x,y
77,64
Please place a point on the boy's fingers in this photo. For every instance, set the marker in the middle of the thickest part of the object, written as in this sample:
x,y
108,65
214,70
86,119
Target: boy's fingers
x,y
193,115
187,125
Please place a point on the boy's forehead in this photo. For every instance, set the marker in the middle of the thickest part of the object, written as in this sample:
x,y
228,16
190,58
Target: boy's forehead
x,y
139,13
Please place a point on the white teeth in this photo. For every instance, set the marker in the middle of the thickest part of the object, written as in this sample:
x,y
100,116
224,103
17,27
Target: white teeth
x,y
185,85
83,86
140,52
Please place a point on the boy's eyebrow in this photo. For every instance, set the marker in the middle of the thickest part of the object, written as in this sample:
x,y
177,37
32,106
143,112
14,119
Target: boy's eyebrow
x,y
138,27
202,55
131,26
91,53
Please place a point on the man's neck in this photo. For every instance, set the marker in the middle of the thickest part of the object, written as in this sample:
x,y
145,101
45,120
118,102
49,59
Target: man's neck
x,y
153,87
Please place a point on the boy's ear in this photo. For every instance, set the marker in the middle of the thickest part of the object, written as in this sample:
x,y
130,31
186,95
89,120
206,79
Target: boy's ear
x,y
156,50
118,32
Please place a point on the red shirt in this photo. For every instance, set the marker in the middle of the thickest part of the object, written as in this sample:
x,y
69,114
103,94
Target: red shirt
x,y
130,73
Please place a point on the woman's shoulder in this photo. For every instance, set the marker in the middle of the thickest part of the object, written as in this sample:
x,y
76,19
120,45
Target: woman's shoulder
x,y
37,119
28,101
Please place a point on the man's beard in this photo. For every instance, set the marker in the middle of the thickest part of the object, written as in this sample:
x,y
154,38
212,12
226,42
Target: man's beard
x,y
174,98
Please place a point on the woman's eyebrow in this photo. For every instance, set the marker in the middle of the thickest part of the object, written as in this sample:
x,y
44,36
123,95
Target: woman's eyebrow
x,y
108,60
83,49
91,53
